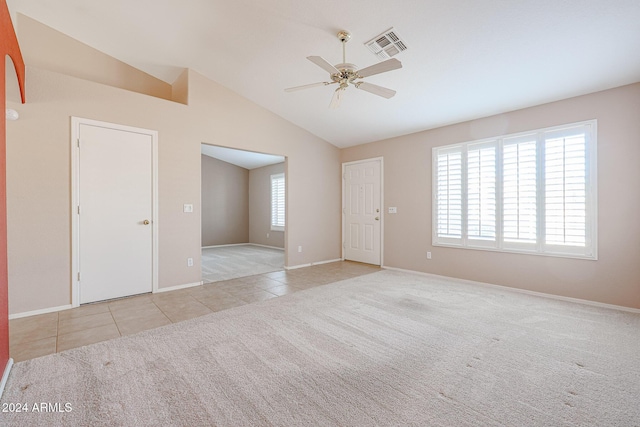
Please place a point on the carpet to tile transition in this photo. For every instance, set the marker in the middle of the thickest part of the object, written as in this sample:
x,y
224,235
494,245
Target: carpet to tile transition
x,y
387,349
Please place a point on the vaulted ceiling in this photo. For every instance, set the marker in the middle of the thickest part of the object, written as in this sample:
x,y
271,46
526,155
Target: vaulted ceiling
x,y
465,59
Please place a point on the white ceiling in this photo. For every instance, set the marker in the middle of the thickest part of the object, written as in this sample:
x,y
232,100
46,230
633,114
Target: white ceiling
x,y
244,159
466,58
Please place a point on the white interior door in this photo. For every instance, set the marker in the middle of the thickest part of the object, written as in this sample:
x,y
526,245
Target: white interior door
x,y
115,213
362,212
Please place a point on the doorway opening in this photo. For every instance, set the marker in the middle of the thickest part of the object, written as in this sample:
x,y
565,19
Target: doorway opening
x,y
243,203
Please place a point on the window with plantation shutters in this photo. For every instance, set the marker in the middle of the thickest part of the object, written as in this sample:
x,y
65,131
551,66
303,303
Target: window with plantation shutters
x,y
481,192
533,192
565,189
519,191
277,202
449,189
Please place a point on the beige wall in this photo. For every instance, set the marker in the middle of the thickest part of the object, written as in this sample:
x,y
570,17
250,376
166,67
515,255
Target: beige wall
x,y
225,202
260,207
39,180
41,49
614,278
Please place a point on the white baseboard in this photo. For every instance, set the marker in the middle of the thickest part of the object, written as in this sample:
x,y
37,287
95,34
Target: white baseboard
x,y
5,376
266,246
243,244
295,267
523,291
224,246
42,311
327,261
175,288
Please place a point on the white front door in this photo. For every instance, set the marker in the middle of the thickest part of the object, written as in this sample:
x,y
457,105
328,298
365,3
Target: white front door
x,y
115,212
362,211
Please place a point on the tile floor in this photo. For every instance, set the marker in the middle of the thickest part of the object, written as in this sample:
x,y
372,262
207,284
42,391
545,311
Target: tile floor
x,y
44,334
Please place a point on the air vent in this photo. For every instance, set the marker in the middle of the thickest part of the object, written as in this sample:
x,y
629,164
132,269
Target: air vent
x,y
387,44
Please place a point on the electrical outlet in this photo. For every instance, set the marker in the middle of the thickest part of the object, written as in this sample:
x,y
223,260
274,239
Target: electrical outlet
x,y
428,255
189,262
299,248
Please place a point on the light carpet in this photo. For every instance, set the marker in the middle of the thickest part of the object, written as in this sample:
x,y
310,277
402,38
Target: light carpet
x,y
230,262
384,349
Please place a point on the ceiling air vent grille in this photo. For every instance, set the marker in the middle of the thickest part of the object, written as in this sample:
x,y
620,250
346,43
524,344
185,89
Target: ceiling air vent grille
x,y
387,44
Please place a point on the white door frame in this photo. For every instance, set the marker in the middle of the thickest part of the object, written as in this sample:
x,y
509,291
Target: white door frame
x,y
344,203
75,181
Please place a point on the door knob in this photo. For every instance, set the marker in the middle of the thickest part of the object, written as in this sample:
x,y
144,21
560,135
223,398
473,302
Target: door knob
x,y
377,218
146,222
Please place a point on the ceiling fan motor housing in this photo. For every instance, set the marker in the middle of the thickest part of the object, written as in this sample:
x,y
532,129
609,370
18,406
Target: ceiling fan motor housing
x,y
348,73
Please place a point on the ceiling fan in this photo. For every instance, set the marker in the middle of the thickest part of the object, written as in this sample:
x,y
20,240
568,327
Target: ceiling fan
x,y
346,74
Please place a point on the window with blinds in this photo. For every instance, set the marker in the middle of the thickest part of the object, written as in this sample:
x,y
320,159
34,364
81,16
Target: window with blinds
x,y
533,192
519,191
449,189
481,192
277,202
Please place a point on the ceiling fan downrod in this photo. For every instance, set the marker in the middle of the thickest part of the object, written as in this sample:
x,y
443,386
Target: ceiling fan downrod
x,y
344,37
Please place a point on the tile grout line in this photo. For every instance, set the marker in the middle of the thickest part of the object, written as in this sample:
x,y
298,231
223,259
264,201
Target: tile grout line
x,y
57,330
114,320
162,311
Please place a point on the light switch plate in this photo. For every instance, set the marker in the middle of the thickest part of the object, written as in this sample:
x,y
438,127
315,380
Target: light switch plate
x,y
187,208
393,209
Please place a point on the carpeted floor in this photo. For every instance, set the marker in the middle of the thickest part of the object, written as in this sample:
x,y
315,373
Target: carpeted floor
x,y
384,349
230,262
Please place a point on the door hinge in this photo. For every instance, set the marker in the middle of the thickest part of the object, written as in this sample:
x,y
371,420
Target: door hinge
x,y
344,175
78,209
78,276
78,141
344,245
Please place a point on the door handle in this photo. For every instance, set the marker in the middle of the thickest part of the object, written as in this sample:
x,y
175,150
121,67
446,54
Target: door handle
x,y
377,218
146,222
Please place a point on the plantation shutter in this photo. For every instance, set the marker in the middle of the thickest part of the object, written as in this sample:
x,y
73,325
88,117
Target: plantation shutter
x,y
481,191
565,188
533,192
519,177
277,202
449,193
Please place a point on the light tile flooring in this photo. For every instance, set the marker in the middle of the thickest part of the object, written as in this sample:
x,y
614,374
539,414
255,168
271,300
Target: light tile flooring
x,y
44,334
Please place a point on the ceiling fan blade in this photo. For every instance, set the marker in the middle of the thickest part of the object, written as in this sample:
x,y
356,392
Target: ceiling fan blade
x,y
376,90
323,63
295,88
381,67
337,97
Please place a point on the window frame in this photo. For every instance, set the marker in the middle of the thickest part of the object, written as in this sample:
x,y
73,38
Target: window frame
x,y
539,247
273,225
